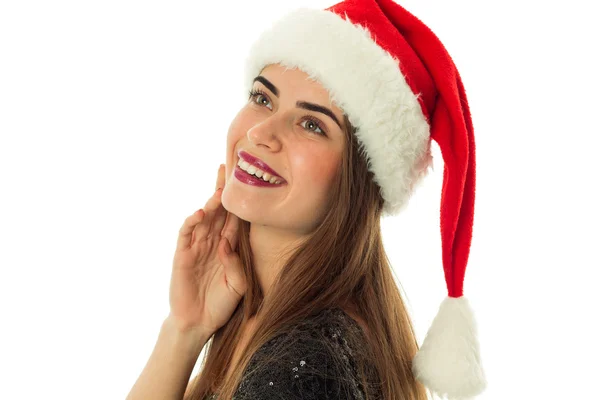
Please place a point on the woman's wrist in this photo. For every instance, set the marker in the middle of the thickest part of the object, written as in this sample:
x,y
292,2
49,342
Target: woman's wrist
x,y
186,333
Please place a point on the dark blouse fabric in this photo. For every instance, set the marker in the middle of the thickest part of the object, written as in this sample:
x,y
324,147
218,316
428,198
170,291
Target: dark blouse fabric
x,y
317,360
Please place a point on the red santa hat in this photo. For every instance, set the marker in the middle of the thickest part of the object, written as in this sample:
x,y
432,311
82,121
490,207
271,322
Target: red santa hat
x,y
399,87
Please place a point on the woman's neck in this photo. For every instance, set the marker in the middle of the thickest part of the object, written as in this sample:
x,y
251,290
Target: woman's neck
x,y
270,250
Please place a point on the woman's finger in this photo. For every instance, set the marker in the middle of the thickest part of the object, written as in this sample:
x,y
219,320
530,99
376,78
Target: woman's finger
x,y
220,177
230,231
219,220
187,229
203,229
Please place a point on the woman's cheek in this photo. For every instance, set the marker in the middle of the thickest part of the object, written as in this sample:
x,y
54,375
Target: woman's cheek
x,y
233,131
326,170
236,129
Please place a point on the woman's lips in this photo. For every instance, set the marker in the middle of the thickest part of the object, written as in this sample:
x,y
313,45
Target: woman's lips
x,y
252,180
258,163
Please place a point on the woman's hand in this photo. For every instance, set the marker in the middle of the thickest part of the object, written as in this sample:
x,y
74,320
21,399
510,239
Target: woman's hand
x,y
207,280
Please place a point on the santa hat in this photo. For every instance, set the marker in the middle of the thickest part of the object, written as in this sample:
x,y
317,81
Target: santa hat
x,y
399,87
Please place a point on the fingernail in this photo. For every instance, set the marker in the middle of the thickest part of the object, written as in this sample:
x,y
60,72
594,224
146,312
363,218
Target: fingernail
x,y
227,246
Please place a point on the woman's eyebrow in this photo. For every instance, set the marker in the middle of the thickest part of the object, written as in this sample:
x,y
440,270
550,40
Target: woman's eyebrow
x,y
267,83
300,104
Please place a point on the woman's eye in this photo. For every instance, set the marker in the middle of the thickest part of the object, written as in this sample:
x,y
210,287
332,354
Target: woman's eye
x,y
255,94
260,96
312,123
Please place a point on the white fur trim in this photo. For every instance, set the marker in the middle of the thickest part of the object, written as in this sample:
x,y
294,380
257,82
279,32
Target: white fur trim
x,y
363,80
448,362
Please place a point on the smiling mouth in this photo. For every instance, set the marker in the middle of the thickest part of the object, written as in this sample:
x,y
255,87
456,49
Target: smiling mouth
x,y
258,174
252,160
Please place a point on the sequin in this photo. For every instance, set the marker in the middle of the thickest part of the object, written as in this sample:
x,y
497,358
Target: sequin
x,y
311,347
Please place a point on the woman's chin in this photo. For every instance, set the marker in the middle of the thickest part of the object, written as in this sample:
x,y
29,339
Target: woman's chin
x,y
242,207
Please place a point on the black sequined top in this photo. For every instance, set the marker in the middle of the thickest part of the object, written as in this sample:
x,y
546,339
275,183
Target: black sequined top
x,y
317,360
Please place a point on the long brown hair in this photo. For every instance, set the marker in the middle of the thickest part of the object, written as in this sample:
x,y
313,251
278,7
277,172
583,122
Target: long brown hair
x,y
342,264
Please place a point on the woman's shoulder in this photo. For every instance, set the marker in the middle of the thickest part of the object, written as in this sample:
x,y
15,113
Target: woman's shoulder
x,y
315,359
330,323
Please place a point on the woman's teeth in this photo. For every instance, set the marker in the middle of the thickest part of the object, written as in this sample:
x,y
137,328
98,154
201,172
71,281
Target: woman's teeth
x,y
252,170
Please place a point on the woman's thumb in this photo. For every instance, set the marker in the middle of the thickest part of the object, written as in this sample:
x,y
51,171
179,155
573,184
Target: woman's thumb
x,y
226,254
233,269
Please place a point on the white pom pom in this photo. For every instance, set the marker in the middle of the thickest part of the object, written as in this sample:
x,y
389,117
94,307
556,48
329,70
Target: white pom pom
x,y
448,362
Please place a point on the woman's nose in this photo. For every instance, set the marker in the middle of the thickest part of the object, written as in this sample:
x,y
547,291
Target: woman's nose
x,y
266,133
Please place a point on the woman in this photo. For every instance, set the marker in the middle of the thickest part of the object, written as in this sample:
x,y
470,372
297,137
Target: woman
x,y
283,271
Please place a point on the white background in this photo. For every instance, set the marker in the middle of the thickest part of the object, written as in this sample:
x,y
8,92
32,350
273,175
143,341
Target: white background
x,y
113,119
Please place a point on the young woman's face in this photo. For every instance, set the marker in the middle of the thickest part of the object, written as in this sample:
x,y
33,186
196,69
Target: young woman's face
x,y
302,146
